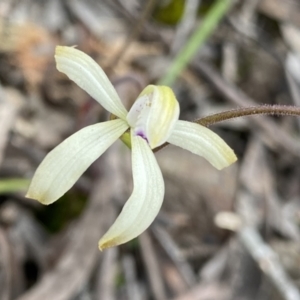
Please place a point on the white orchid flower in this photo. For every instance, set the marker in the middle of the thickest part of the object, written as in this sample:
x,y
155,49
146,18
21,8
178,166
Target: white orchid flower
x,y
152,120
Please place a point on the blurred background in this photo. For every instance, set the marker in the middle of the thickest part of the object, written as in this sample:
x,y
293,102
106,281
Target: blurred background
x,y
228,235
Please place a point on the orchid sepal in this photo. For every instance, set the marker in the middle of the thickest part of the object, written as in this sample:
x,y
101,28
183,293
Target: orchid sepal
x,y
145,201
62,167
203,142
87,74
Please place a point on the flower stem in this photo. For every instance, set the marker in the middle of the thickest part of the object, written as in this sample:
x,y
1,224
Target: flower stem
x,y
265,109
275,110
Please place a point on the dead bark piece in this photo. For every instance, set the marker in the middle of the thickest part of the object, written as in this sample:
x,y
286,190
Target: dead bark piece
x,y
292,69
135,32
257,177
174,253
54,16
214,268
152,267
27,245
230,62
105,286
265,258
98,18
5,267
133,289
291,36
246,278
206,292
251,174
248,11
185,26
289,256
282,10
7,116
268,262
174,281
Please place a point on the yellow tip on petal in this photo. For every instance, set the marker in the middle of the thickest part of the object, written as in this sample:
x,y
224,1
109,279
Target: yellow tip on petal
x,y
107,243
38,197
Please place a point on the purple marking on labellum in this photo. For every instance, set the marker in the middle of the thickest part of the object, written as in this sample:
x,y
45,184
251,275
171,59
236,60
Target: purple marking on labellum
x,y
142,134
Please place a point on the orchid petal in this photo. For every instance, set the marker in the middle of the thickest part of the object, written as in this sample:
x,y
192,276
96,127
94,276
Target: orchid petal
x,y
62,167
145,201
154,114
163,115
204,142
87,74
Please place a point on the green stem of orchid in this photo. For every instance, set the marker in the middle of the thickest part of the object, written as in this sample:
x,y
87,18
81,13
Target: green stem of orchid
x,y
274,110
198,38
13,185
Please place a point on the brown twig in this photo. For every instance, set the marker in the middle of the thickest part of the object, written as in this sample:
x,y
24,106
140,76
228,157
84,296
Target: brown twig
x,y
275,110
